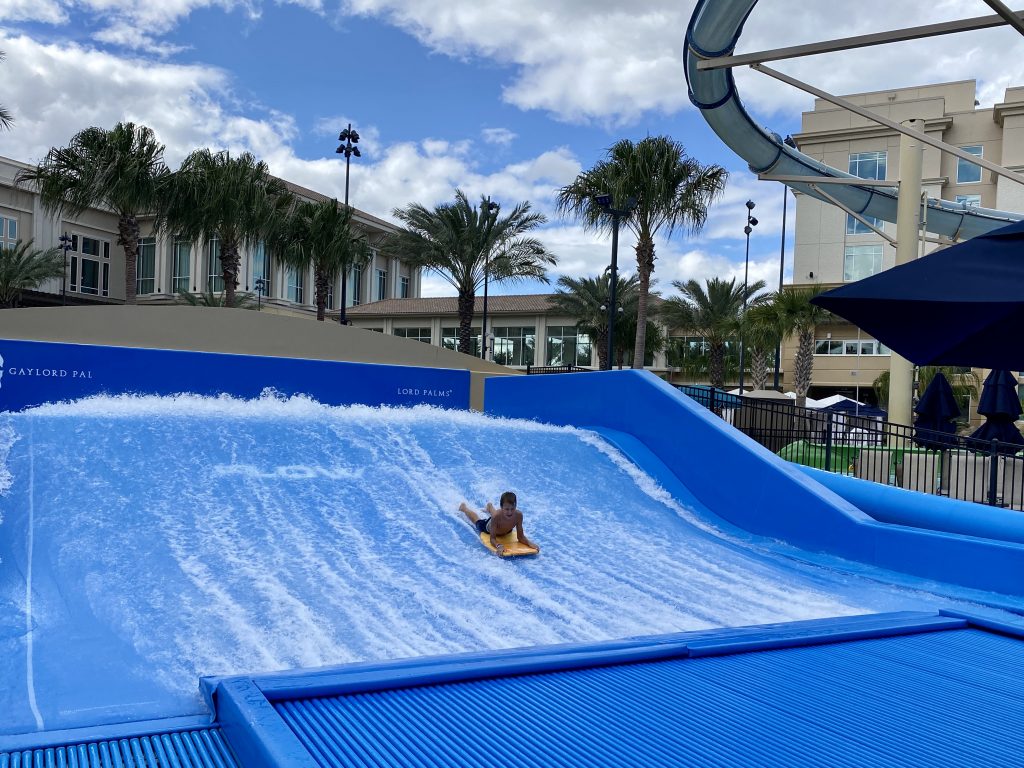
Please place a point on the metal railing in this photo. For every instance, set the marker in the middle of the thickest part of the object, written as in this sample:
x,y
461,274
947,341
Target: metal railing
x,y
982,471
539,369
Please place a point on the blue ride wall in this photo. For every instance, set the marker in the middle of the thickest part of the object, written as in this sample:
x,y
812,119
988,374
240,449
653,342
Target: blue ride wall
x,y
35,372
751,488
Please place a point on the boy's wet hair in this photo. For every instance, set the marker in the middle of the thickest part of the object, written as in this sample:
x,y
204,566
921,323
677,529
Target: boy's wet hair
x,y
507,496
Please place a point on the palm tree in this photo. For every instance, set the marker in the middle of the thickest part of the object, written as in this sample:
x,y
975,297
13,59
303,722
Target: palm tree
x,y
210,299
23,268
797,315
586,300
713,312
234,200
762,332
963,381
462,243
121,169
6,118
320,234
668,190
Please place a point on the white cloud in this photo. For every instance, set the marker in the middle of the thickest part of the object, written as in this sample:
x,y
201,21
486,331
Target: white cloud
x,y
47,11
501,136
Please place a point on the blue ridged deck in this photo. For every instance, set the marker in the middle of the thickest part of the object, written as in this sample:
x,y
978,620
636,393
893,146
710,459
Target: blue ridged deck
x,y
909,689
204,748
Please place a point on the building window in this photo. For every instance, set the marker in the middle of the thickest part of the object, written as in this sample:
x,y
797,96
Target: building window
x,y
260,268
181,259
403,287
567,346
850,347
966,171
145,267
215,274
357,285
969,200
417,334
90,266
861,261
382,284
865,165
296,285
8,231
450,339
514,345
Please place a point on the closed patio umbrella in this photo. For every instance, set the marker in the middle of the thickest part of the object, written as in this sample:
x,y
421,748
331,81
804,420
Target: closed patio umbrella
x,y
1000,405
936,411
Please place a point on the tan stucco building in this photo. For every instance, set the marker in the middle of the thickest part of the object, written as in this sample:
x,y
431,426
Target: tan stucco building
x,y
833,247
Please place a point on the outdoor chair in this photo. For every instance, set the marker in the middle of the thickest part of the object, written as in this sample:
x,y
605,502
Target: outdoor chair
x,y
920,472
968,476
874,465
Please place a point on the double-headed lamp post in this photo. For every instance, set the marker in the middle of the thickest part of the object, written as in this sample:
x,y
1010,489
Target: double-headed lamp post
x,y
490,212
751,223
260,286
348,148
65,245
604,201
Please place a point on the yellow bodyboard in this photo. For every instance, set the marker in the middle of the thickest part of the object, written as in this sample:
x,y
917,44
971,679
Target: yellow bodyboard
x,y
513,547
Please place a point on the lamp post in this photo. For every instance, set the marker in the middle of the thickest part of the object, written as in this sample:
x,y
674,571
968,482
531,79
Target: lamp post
x,y
490,212
65,245
782,267
604,201
348,148
260,286
751,223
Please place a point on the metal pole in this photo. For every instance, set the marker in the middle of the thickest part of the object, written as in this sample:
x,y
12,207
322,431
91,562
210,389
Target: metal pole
x,y
483,324
743,320
612,284
342,319
782,267
908,212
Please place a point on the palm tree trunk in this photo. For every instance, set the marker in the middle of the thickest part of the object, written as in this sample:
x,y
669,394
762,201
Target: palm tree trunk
x,y
603,364
759,360
644,268
803,366
716,365
229,263
321,286
466,300
128,238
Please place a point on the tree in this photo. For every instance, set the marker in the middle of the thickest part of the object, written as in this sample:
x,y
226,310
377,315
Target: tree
x,y
713,312
234,200
210,299
121,169
23,268
462,242
762,333
963,381
586,300
320,235
668,189
797,315
6,118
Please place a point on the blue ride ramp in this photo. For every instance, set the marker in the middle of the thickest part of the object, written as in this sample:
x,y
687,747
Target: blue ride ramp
x,y
696,453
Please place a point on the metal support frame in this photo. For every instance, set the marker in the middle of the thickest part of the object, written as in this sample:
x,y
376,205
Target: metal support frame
x,y
875,117
1005,16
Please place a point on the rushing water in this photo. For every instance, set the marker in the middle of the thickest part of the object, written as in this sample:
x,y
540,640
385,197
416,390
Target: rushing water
x,y
148,541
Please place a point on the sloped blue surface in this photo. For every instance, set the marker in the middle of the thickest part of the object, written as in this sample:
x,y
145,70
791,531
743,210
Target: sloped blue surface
x,y
950,696
147,542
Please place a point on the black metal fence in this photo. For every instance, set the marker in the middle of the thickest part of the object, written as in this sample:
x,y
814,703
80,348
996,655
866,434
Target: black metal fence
x,y
986,472
538,369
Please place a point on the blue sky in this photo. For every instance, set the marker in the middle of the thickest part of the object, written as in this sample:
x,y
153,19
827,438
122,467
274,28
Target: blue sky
x,y
508,100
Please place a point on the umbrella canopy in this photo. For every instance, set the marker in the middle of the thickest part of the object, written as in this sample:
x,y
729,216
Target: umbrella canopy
x,y
959,306
934,426
846,405
1001,406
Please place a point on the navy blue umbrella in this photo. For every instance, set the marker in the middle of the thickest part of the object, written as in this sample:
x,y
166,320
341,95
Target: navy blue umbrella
x,y
1000,405
963,305
936,410
856,409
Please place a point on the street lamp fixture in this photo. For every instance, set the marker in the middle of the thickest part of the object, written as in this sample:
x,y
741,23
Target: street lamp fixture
x,y
65,245
490,213
260,284
349,138
751,223
604,202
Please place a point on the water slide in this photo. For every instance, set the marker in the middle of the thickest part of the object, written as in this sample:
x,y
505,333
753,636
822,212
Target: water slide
x,y
147,541
714,31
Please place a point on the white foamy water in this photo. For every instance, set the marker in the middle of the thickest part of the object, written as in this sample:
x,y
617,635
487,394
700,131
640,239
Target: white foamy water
x,y
188,536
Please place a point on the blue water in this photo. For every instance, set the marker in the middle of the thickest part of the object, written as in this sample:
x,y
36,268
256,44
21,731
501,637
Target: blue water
x,y
148,541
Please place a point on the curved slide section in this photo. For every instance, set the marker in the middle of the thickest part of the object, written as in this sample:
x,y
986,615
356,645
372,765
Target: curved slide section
x,y
714,30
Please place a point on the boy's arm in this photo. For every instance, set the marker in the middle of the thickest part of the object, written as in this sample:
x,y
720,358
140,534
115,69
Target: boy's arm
x,y
522,536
